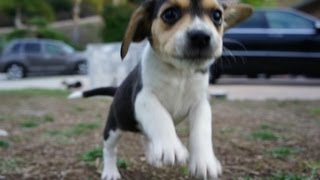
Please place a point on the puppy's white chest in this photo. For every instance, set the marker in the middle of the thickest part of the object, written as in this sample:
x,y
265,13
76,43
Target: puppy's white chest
x,y
176,91
177,96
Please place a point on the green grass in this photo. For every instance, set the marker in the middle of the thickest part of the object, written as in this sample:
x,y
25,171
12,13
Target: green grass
x,y
227,130
314,166
9,165
283,152
245,178
81,128
122,163
92,154
286,176
265,127
4,144
29,124
4,117
315,112
185,170
47,118
79,109
265,135
35,121
34,92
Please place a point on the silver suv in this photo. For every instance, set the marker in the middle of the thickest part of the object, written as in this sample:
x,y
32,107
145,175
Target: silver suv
x,y
40,56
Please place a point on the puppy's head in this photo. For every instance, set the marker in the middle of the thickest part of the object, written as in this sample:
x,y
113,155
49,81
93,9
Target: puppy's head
x,y
183,30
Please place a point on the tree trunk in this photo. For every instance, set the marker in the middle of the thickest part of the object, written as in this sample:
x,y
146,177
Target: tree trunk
x,y
18,18
118,2
76,19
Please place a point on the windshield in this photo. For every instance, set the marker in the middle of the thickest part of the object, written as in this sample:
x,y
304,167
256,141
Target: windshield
x,y
68,49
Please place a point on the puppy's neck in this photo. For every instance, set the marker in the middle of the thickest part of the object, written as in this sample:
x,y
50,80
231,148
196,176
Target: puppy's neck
x,y
168,63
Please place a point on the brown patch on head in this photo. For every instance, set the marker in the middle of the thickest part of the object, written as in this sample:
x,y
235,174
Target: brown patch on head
x,y
163,34
181,3
210,4
236,13
139,26
213,27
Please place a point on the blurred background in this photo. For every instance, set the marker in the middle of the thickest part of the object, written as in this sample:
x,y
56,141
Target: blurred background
x,y
71,41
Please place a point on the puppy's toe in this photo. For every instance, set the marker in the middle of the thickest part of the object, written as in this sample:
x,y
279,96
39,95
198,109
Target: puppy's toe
x,y
182,155
110,174
205,168
166,153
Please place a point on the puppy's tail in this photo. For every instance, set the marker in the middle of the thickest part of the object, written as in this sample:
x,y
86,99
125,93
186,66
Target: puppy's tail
x,y
104,91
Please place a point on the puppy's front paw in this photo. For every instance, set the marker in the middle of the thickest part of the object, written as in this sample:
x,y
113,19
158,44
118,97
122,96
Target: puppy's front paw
x,y
110,173
169,153
206,168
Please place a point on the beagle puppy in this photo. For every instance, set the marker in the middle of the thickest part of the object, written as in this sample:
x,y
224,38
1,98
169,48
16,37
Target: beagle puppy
x,y
170,84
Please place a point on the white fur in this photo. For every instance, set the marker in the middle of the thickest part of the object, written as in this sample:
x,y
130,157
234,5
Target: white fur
x,y
181,41
75,95
202,162
110,170
170,95
174,90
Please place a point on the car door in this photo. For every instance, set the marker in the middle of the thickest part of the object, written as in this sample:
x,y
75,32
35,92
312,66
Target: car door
x,y
293,40
241,44
33,56
56,58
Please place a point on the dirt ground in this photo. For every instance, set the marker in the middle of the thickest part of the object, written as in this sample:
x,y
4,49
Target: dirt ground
x,y
53,138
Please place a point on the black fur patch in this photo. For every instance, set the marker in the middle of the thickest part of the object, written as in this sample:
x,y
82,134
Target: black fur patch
x,y
196,8
121,115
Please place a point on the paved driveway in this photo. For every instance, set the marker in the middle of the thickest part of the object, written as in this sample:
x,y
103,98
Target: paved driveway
x,y
49,82
233,88
261,89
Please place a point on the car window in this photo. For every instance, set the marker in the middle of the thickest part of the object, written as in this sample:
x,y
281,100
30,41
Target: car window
x,y
15,48
53,49
284,20
32,48
256,20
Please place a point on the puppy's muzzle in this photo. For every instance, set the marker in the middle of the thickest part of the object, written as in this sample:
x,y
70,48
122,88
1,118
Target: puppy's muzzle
x,y
199,39
198,45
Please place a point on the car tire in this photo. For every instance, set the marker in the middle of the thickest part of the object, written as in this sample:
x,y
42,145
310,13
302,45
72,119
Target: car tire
x,y
82,68
15,71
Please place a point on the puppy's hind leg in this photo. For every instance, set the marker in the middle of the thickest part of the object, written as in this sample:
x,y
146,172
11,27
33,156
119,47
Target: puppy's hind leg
x,y
111,137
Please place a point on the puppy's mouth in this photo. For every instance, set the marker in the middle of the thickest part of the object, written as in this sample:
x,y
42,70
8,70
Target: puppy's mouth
x,y
196,54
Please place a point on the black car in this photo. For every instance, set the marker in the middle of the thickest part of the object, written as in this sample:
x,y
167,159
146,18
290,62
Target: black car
x,y
270,42
40,56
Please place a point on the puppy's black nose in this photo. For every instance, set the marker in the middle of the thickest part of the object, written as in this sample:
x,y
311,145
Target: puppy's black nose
x,y
199,39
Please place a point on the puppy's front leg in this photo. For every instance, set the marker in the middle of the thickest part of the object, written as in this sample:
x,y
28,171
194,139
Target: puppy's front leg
x,y
163,145
203,163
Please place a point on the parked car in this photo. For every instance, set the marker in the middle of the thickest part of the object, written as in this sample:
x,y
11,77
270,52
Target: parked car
x,y
26,56
270,42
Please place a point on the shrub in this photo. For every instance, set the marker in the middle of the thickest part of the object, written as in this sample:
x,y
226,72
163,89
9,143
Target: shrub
x,y
116,19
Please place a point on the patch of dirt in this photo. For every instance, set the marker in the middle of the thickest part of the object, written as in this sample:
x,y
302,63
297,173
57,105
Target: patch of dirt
x,y
52,147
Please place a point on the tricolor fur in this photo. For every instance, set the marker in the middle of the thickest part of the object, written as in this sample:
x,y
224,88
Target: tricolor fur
x,y
170,84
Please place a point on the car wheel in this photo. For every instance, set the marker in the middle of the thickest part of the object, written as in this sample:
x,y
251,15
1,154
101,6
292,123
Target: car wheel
x,y
15,71
82,68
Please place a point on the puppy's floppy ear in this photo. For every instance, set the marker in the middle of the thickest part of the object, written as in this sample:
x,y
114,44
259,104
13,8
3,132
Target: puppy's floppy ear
x,y
139,26
235,13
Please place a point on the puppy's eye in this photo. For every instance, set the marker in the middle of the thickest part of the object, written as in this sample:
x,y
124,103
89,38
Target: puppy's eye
x,y
171,15
216,17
